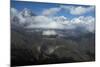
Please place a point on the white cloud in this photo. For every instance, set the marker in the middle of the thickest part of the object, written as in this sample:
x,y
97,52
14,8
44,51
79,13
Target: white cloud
x,y
40,22
74,10
44,22
78,10
14,12
50,11
42,19
49,32
87,23
63,23
61,19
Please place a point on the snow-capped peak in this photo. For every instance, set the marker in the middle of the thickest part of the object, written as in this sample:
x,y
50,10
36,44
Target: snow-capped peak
x,y
27,12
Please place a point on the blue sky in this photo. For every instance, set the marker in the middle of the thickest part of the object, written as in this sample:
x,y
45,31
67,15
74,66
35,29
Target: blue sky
x,y
38,8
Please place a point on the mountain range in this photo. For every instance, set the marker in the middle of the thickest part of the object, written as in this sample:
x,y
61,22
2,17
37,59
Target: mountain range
x,y
32,43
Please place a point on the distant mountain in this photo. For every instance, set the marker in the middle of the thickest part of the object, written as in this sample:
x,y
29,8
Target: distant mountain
x,y
27,13
23,18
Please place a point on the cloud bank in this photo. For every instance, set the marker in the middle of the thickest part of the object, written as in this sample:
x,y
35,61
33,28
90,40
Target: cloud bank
x,y
50,11
74,10
79,10
55,22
